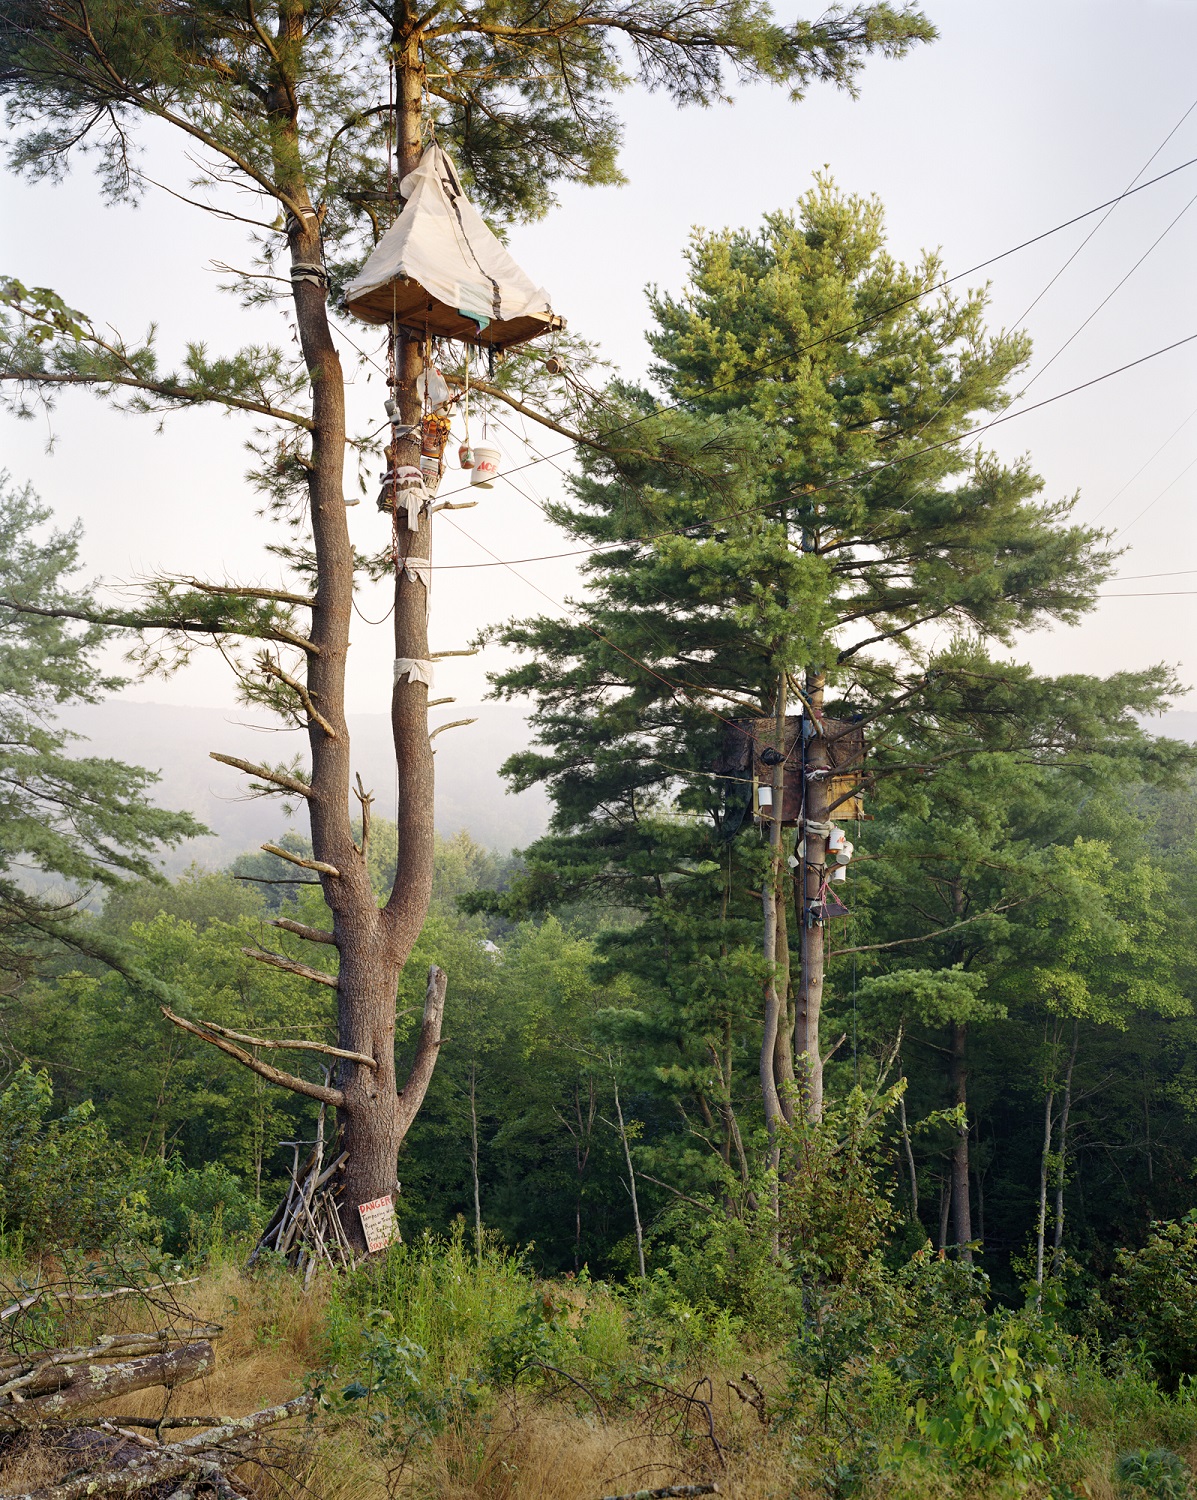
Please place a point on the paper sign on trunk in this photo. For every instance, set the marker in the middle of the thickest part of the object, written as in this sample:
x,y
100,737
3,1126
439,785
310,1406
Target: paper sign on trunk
x,y
378,1223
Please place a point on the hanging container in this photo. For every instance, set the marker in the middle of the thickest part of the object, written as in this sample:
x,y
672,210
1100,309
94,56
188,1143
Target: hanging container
x,y
434,433
839,872
430,468
486,466
465,456
844,853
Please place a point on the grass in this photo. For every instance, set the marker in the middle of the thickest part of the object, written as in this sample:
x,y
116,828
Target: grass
x,y
477,1381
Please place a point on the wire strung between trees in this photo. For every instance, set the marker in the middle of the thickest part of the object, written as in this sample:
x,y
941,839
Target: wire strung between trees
x,y
835,484
876,317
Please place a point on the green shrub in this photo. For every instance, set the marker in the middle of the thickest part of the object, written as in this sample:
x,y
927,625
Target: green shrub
x,y
996,1416
1153,1297
64,1183
196,1209
1153,1474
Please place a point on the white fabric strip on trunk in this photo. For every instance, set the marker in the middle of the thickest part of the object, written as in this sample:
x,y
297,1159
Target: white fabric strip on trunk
x,y
413,669
419,570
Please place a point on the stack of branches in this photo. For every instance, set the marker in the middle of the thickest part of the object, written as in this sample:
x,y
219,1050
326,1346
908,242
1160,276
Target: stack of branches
x,y
306,1228
49,1391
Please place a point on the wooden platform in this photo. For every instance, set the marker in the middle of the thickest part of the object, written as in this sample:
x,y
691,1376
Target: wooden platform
x,y
407,304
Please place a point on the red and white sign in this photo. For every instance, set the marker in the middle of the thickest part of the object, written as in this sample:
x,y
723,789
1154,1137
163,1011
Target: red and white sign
x,y
378,1223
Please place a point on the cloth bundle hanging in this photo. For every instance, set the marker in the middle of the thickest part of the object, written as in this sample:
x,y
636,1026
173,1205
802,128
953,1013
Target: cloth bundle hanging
x,y
439,270
413,670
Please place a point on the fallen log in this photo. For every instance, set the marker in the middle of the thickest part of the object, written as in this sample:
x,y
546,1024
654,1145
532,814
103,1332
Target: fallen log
x,y
85,1384
201,1459
37,1373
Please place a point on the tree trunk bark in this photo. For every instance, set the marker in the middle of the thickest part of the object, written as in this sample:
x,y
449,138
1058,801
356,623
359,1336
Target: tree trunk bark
x,y
1062,1155
770,902
962,1219
474,1162
808,889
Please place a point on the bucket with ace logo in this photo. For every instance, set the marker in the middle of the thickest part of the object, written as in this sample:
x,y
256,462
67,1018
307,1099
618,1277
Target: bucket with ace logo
x,y
486,466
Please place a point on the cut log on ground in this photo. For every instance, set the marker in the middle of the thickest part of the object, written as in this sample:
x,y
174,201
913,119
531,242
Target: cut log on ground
x,y
200,1461
84,1384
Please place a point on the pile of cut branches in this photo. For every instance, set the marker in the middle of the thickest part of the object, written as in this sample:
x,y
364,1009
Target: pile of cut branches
x,y
49,1390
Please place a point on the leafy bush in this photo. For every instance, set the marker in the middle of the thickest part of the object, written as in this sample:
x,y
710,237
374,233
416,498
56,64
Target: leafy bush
x,y
195,1209
63,1182
1153,1296
996,1415
1153,1474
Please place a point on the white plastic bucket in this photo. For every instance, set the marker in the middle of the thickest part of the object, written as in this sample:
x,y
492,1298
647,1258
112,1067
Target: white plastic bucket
x,y
486,466
430,468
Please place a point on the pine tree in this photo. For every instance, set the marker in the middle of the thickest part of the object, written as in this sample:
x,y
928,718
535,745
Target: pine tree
x,y
80,820
793,517
289,103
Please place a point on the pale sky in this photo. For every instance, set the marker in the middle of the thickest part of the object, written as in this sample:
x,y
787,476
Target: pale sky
x,y
1021,115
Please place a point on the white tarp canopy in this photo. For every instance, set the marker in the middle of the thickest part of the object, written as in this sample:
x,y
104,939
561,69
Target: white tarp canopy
x,y
440,267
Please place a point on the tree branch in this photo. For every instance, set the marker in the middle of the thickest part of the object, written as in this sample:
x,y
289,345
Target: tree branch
x,y
297,1045
304,864
312,934
280,779
123,620
411,1096
453,724
271,668
927,936
246,591
319,1091
290,966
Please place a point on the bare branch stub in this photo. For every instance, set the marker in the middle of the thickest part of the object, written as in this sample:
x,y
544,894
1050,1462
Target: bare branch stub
x,y
296,859
290,966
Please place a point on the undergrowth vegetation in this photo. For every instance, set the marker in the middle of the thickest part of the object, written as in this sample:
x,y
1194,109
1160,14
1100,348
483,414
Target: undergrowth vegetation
x,y
452,1370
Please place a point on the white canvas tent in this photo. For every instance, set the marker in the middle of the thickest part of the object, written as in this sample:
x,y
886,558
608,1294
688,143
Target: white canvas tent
x,y
439,268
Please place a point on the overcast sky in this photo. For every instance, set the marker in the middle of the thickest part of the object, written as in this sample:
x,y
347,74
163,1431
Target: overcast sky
x,y
1021,115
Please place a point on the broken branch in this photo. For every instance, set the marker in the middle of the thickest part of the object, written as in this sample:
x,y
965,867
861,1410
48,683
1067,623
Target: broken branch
x,y
411,1096
297,859
297,1045
454,724
290,966
272,1075
312,934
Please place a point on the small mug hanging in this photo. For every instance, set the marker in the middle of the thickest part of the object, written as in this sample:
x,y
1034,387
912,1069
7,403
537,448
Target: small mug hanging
x,y
465,456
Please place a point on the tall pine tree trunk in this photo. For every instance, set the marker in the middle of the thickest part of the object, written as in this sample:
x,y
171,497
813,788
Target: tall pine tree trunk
x,y
809,882
962,1218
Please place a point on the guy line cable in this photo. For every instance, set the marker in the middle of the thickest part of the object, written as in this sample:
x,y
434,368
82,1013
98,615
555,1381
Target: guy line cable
x,y
1034,302
883,312
837,483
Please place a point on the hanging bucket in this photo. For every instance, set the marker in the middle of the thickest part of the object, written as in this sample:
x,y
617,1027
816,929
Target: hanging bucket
x,y
839,872
486,466
465,456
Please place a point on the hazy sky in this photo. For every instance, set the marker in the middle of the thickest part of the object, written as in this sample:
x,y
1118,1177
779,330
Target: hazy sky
x,y
1021,115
